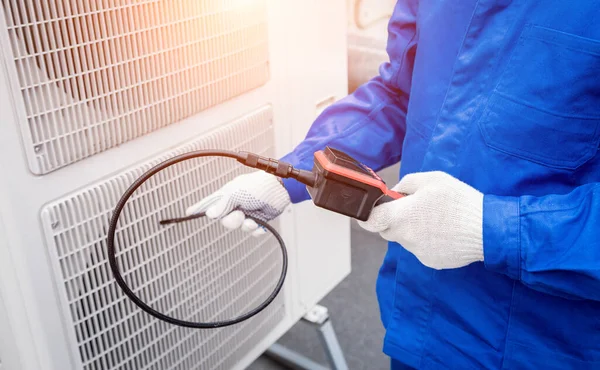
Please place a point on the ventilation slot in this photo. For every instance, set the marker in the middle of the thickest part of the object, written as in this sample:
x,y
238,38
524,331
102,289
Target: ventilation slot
x,y
367,39
365,56
112,333
95,74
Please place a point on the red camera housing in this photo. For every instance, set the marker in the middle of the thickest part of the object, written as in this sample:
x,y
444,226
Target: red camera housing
x,y
346,186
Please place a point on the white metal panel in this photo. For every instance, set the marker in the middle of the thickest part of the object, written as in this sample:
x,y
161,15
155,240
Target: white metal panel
x,y
5,343
15,346
322,237
96,74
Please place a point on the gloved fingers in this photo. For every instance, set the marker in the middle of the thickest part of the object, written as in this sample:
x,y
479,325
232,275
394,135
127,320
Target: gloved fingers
x,y
237,219
381,217
256,229
252,226
415,181
259,232
390,235
403,229
263,215
233,220
220,208
204,204
249,225
388,219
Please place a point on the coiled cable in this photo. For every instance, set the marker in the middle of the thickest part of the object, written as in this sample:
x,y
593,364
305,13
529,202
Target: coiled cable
x,y
251,160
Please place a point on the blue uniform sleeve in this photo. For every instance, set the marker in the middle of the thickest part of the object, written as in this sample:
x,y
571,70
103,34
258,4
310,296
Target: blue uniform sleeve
x,y
550,243
370,123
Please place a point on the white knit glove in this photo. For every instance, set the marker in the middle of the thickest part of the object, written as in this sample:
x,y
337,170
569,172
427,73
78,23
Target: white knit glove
x,y
440,221
257,194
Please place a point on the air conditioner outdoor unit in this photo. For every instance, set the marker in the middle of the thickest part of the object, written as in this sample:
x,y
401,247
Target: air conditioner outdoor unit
x,y
367,39
93,93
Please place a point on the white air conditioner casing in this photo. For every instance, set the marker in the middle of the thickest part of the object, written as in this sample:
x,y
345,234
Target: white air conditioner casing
x,y
94,93
367,39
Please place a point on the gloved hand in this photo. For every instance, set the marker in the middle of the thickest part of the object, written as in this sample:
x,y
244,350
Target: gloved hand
x,y
257,194
440,221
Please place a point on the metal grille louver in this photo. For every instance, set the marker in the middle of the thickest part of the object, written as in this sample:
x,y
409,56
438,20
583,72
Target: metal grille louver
x,y
367,39
95,74
365,56
109,331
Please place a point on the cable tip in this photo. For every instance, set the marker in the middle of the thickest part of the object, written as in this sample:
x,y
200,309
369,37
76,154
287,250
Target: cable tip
x,y
181,219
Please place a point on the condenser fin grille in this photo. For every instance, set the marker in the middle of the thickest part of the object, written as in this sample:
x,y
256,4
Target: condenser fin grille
x,y
366,54
171,266
95,74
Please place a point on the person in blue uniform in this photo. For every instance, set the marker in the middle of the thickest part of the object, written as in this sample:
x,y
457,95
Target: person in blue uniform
x,y
493,109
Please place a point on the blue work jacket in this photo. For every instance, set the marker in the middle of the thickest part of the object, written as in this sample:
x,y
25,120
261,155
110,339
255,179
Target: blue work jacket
x,y
505,96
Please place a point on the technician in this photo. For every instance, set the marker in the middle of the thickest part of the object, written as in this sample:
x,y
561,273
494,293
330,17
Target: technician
x,y
493,106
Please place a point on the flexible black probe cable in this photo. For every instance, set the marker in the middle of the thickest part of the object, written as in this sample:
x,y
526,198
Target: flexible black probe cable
x,y
280,169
